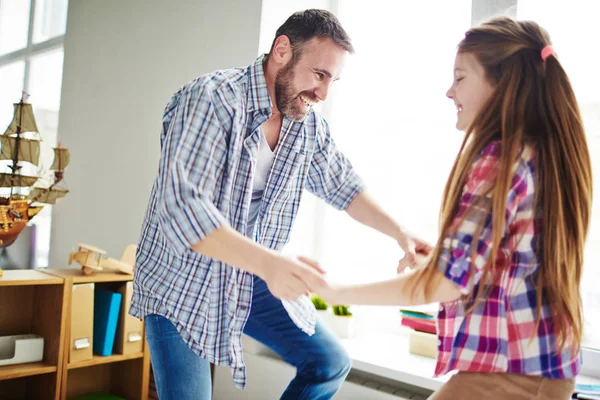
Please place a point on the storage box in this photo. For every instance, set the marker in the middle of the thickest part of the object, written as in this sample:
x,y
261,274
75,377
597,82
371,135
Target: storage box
x,y
18,349
423,344
130,331
82,322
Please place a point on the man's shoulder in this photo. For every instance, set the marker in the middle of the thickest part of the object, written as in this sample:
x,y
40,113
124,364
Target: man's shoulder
x,y
317,123
221,86
222,91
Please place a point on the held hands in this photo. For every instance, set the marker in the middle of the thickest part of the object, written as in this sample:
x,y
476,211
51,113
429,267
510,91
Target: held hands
x,y
289,278
331,292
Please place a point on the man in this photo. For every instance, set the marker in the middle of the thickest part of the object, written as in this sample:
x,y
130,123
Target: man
x,y
238,147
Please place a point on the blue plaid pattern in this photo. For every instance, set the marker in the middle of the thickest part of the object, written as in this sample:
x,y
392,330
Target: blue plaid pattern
x,y
209,144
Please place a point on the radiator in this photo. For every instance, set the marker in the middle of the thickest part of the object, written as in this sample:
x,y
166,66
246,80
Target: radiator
x,y
363,386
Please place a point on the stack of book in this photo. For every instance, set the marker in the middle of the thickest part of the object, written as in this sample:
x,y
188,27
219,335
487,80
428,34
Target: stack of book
x,y
419,319
422,323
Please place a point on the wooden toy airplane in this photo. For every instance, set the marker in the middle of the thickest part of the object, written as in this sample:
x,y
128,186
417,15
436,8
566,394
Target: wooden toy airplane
x,y
92,259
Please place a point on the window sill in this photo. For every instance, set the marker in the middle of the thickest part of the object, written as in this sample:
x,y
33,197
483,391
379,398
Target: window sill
x,y
386,355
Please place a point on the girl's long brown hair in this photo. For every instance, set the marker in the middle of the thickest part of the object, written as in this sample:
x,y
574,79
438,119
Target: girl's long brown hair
x,y
532,103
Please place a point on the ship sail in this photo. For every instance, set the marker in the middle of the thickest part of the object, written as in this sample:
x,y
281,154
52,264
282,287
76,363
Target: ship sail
x,y
61,159
24,114
21,143
47,196
10,180
29,149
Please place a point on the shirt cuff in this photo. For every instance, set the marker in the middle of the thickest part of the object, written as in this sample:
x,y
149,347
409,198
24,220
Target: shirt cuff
x,y
342,198
185,226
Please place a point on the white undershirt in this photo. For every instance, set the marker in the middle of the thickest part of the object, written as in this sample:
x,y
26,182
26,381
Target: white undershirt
x,y
263,166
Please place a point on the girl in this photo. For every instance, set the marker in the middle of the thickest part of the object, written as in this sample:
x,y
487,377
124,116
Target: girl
x,y
514,219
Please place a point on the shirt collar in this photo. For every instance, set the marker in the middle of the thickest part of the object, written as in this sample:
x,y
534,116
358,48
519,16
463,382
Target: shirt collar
x,y
258,94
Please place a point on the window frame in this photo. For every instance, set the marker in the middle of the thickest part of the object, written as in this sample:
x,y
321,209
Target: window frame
x,y
32,50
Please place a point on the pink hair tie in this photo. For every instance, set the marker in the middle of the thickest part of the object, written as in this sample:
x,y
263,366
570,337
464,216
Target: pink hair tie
x,y
547,52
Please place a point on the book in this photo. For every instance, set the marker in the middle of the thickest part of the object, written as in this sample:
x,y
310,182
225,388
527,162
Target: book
x,y
421,326
106,315
416,314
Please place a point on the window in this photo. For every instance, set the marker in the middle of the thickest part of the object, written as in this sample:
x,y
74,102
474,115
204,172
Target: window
x,y
386,110
569,25
31,60
390,116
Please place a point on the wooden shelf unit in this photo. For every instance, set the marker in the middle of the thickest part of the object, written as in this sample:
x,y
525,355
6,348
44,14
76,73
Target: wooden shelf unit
x,y
33,302
39,301
122,375
28,369
97,360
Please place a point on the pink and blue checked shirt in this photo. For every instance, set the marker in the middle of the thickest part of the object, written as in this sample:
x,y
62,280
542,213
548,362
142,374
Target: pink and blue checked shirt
x,y
209,145
496,336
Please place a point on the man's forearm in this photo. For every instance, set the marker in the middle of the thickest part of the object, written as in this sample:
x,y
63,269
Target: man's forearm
x,y
366,211
231,247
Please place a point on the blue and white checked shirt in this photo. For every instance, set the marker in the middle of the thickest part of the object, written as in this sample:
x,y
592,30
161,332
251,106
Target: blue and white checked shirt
x,y
209,147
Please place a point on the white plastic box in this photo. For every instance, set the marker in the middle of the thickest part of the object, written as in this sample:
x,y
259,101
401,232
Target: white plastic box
x,y
18,349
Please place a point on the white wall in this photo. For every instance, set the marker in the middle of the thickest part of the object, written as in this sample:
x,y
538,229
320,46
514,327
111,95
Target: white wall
x,y
123,60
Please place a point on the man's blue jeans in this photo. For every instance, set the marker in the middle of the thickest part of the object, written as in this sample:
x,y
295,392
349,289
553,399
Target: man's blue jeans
x,y
321,363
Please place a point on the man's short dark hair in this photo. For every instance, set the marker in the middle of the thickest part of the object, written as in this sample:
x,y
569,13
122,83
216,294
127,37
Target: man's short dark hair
x,y
302,26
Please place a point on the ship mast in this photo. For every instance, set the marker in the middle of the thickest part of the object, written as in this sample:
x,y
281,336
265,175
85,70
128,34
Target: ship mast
x,y
58,174
15,161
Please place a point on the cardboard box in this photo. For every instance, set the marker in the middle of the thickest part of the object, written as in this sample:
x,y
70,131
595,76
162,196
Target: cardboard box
x,y
423,344
82,322
130,330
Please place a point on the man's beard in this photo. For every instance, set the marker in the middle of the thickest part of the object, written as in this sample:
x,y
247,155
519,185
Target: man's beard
x,y
286,100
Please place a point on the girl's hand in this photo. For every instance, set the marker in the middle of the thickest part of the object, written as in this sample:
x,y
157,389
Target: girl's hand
x,y
331,293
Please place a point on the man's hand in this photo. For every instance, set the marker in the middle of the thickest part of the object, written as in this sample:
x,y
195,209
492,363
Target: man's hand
x,y
289,278
415,249
420,261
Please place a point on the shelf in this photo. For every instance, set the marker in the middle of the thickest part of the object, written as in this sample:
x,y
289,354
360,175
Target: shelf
x,y
78,276
98,360
28,277
29,369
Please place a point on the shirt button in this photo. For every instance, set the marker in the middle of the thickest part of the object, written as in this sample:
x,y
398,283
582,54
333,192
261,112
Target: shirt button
x,y
441,307
243,308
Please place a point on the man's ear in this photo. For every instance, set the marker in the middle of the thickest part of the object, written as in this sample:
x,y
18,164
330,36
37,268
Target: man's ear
x,y
282,50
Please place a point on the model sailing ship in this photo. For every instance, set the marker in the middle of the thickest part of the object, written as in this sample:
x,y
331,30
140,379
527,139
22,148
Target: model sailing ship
x,y
22,195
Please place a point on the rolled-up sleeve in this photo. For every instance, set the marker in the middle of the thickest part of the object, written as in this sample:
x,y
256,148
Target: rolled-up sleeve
x,y
462,260
331,176
193,152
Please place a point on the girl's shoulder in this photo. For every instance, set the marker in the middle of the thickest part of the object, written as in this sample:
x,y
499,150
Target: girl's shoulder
x,y
486,167
491,153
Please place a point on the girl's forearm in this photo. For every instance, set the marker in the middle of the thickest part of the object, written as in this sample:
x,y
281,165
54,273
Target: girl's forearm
x,y
398,292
